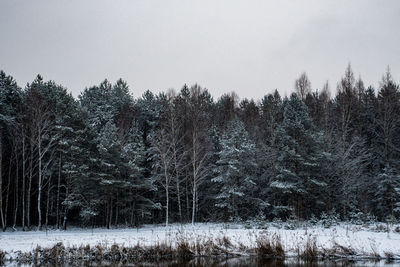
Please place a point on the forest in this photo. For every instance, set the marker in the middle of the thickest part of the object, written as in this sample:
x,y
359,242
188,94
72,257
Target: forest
x,y
107,159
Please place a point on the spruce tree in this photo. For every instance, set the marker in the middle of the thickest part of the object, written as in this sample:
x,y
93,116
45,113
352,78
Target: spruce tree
x,y
387,194
299,182
235,169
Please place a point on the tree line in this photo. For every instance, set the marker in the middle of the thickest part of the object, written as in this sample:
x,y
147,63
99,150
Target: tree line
x,y
108,159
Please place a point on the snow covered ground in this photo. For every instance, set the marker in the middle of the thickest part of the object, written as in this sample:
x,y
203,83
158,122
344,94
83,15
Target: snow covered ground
x,y
362,240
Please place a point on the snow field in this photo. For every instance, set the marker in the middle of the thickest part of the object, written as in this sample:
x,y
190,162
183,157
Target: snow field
x,y
366,243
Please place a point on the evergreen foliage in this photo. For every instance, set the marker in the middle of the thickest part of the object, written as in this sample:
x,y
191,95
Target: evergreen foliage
x,y
107,158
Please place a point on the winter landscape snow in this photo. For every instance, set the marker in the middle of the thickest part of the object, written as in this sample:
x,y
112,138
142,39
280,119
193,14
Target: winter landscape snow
x,y
366,242
136,131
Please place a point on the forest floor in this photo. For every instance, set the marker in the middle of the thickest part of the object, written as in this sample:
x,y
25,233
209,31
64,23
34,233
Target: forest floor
x,y
344,240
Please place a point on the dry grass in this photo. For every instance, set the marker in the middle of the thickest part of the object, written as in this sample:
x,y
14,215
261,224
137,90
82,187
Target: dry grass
x,y
374,254
2,257
389,256
310,251
181,249
264,245
269,246
184,250
58,254
338,250
225,242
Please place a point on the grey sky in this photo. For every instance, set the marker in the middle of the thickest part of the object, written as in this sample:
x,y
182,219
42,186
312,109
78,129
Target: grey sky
x,y
251,47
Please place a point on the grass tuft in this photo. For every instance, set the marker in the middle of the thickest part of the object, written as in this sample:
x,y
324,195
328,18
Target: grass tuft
x,y
389,256
2,257
310,251
184,250
270,247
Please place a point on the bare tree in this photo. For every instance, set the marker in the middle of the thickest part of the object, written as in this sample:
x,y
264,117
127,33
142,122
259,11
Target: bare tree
x,y
303,86
43,138
325,98
388,99
167,157
198,151
16,192
177,161
23,181
175,136
199,169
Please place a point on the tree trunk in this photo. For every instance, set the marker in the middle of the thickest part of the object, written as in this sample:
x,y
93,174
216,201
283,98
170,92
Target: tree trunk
x,y
179,200
178,193
132,213
194,189
23,183
8,192
48,202
1,181
16,190
39,182
187,199
58,195
116,211
194,204
106,209
392,207
28,208
166,190
110,218
167,205
66,207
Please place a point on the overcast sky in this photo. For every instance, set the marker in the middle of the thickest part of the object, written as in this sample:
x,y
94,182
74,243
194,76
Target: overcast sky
x,y
251,47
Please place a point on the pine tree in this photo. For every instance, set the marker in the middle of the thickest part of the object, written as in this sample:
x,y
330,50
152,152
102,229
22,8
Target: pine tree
x,y
81,184
298,182
10,97
271,117
109,148
235,169
97,102
387,193
138,187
